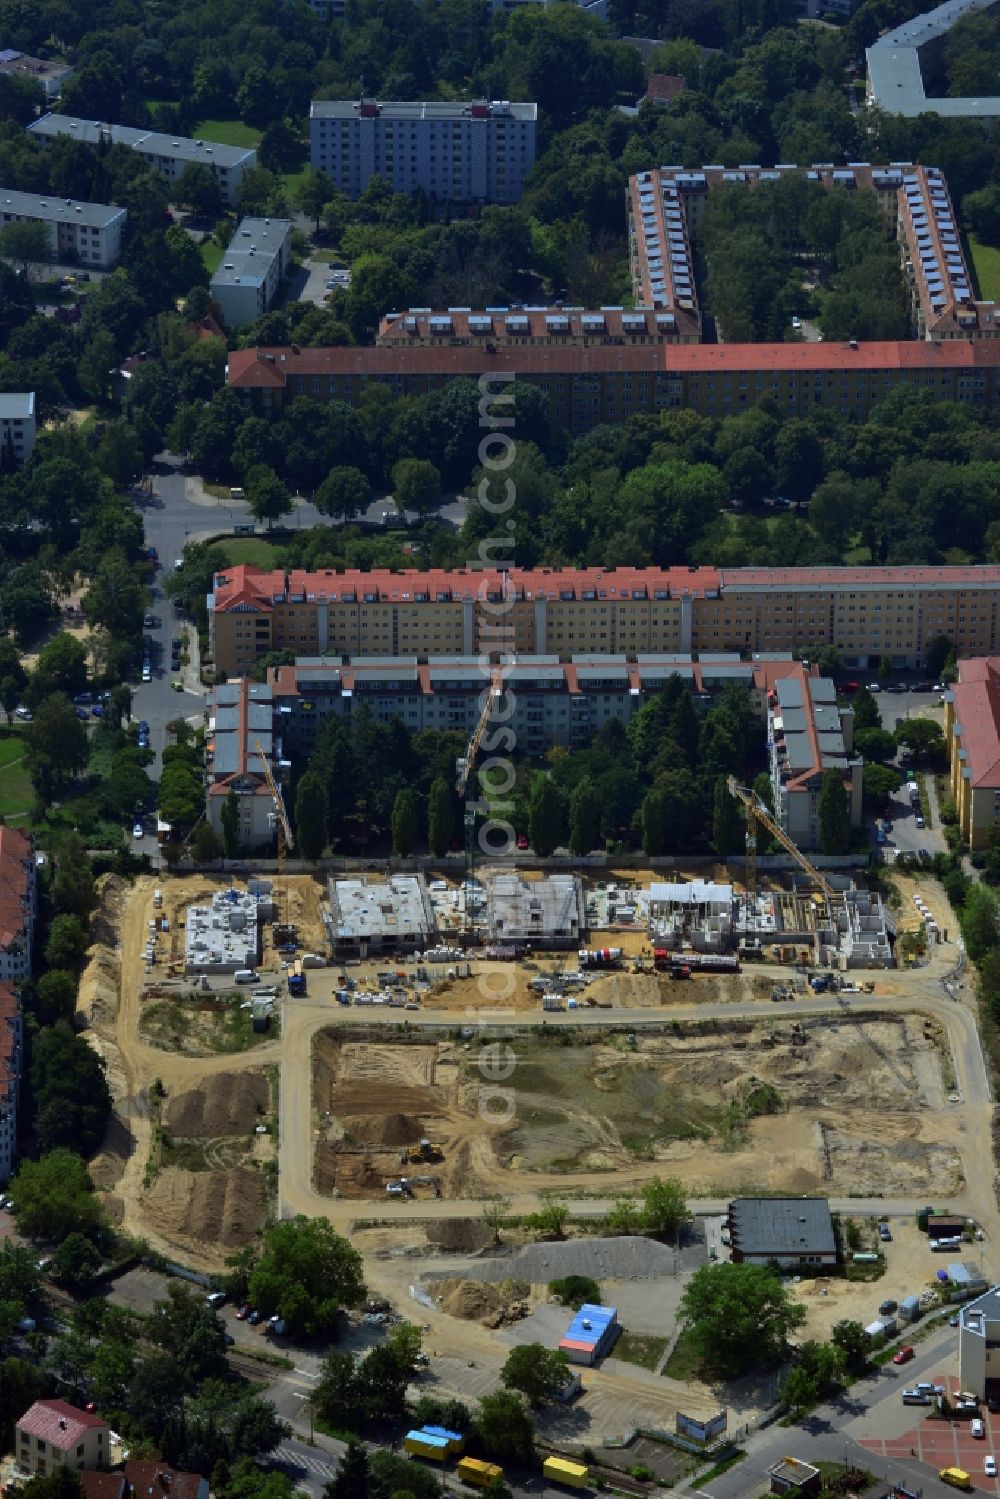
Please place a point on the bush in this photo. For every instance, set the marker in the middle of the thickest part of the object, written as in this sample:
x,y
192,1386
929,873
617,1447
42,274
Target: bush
x,y
574,1290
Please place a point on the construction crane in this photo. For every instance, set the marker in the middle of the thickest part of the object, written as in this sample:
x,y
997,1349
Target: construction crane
x,y
758,813
464,766
282,827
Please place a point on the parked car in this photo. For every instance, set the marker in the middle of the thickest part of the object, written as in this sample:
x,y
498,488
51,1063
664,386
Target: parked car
x,y
255,1318
97,711
977,1429
138,831
919,820
902,1355
82,713
887,1307
874,686
149,619
23,713
990,1466
522,840
885,1233
243,1312
83,697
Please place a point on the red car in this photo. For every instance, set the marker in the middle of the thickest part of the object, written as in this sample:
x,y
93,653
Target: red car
x,y
243,1312
522,840
903,1356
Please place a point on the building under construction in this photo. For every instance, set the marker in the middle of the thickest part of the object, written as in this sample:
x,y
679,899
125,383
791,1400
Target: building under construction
x,y
842,928
383,916
545,913
698,915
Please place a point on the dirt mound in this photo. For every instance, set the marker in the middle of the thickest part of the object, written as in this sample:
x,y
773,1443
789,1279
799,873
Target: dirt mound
x,y
386,1129
228,1103
477,1301
463,1235
205,1208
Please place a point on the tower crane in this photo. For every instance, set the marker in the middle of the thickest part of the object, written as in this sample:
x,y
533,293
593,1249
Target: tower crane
x,y
758,813
464,766
283,828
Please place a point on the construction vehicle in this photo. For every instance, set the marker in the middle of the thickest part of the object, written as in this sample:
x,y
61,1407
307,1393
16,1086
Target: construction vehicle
x,y
757,813
297,978
464,766
424,1150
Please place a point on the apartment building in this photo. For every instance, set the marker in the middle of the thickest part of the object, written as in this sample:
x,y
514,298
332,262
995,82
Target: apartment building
x,y
972,734
11,1062
586,387
809,734
517,327
53,1434
168,154
457,152
666,206
904,60
88,234
865,613
251,270
459,612
241,731
17,423
49,75
17,905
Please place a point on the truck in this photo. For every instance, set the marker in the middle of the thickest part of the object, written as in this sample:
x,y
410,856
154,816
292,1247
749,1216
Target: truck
x,y
297,978
478,1474
957,1477
560,1470
600,957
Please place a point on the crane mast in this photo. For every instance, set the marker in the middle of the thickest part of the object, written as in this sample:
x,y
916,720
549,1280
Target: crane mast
x,y
758,813
283,827
464,766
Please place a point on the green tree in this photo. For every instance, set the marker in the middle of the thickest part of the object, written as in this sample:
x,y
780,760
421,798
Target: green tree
x,y
624,1217
504,1427
230,819
664,1207
922,736
834,814
312,195
55,995
306,1274
336,1397
551,1217
853,1343
95,369
585,811
866,714
535,1371
875,744
191,1333
73,886
67,942
21,1384
545,816
939,652
77,1261
13,678
345,491
71,1094
54,1197
62,1483
440,817
25,246
416,485
267,495
114,600
738,1318
197,188
61,667
352,1477
405,822
879,782
980,919
728,828
206,846
310,816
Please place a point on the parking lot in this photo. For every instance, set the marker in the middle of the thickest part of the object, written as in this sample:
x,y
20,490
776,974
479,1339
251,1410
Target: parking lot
x,y
944,1443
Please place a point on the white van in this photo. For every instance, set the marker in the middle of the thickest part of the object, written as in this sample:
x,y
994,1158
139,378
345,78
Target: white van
x,y
245,976
216,1299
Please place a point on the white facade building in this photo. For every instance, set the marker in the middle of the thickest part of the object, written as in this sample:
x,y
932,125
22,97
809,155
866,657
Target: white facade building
x,y
251,270
169,154
86,233
17,430
466,153
979,1342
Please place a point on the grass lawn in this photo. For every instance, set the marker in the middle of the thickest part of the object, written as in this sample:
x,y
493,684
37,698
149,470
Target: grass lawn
x,y
254,550
290,181
211,255
227,133
16,794
683,1362
986,266
635,1349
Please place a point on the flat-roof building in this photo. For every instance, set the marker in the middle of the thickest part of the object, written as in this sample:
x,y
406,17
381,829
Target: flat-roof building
x,y
242,731
790,1475
904,59
476,152
368,917
979,1342
225,935
88,234
169,154
49,75
251,270
545,913
789,1230
17,423
590,1335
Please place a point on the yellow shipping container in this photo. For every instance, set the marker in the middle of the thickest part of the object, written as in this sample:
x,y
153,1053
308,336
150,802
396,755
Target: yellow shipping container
x,y
473,1471
418,1446
561,1470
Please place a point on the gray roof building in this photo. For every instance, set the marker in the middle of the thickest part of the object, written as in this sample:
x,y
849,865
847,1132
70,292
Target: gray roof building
x,y
901,60
787,1229
169,154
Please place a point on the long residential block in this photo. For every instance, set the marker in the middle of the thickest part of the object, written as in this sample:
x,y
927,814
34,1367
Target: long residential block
x,y
904,60
477,152
972,734
251,270
865,613
586,387
169,154
17,423
86,233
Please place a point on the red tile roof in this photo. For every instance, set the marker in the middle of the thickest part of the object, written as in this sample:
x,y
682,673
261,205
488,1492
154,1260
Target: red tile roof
x,y
664,87
104,1485
977,711
249,368
250,586
16,875
161,1481
57,1422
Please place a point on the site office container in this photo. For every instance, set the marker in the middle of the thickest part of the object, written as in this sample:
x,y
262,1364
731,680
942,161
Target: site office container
x,y
455,1439
419,1444
561,1470
478,1474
